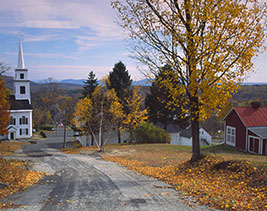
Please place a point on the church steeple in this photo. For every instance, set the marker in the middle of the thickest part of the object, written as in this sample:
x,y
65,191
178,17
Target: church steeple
x,y
21,64
21,82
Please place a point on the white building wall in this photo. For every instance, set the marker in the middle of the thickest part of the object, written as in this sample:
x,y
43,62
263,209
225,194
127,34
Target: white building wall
x,y
204,135
19,96
17,114
176,139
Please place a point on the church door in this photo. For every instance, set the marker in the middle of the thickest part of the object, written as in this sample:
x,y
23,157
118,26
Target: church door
x,y
11,136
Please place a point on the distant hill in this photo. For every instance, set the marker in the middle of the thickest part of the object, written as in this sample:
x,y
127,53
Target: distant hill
x,y
144,82
249,91
35,87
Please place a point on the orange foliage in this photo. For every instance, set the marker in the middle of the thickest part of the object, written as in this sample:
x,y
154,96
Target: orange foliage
x,y
17,176
7,148
4,106
213,181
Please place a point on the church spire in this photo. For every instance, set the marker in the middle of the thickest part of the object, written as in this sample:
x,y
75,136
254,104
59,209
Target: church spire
x,y
21,64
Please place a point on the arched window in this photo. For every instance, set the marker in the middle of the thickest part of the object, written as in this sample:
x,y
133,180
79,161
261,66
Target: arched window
x,y
23,120
12,121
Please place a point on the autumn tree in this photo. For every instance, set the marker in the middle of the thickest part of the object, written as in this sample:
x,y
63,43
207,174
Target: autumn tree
x,y
158,101
83,116
66,109
98,115
136,114
208,43
89,85
120,80
4,107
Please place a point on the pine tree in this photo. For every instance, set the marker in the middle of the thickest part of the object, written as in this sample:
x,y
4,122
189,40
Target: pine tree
x,y
120,81
157,102
89,85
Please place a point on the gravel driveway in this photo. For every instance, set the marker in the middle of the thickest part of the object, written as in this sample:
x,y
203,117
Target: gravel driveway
x,y
85,182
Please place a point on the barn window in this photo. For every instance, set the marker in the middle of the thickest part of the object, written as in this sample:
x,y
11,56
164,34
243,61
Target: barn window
x,y
253,144
230,135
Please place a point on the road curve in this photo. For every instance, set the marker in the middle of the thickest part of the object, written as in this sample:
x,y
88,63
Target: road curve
x,y
82,182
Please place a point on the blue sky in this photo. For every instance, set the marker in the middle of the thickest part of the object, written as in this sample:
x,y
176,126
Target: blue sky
x,y
66,39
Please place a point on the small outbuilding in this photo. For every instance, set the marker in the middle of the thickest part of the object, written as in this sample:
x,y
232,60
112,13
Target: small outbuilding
x,y
246,128
184,137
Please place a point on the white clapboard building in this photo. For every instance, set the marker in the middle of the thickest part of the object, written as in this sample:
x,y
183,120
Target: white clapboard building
x,y
20,125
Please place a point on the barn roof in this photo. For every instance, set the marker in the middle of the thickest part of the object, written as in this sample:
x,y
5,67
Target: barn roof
x,y
252,117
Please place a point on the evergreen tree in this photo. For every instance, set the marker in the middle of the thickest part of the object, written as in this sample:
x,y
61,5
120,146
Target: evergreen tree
x,y
120,81
157,102
89,85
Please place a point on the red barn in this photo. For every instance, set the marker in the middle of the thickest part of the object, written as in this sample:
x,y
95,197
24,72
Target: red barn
x,y
246,128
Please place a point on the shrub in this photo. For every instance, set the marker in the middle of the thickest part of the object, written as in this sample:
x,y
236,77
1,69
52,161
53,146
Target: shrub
x,y
149,133
42,134
46,127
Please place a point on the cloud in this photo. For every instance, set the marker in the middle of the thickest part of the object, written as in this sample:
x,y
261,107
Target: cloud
x,y
94,19
44,55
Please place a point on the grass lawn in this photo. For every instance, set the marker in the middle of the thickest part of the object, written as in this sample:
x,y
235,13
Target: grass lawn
x,y
225,178
7,148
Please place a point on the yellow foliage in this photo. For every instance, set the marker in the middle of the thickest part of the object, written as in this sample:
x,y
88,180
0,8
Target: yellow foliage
x,y
17,176
136,115
83,112
210,44
212,181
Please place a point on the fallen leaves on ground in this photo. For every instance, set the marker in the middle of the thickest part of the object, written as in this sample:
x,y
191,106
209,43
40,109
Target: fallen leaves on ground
x,y
213,181
17,176
7,148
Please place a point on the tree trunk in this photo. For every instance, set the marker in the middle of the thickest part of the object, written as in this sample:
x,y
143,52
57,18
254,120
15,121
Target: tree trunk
x,y
194,107
119,133
64,142
92,139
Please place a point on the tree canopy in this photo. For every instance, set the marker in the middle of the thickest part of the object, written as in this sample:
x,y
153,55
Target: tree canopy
x,y
209,44
120,80
89,85
158,102
4,107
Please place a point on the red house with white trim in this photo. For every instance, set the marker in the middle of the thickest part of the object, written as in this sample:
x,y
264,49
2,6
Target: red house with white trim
x,y
246,128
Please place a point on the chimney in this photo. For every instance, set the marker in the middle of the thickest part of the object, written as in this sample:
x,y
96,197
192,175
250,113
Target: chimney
x,y
255,105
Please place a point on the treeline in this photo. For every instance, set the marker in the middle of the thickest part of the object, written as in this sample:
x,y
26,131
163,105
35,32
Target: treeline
x,y
53,103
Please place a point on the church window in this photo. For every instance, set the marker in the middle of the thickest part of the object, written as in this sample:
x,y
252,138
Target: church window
x,y
23,121
20,131
27,131
12,121
22,90
21,76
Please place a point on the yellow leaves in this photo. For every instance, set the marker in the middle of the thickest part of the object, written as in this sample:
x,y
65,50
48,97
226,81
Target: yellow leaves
x,y
211,51
225,184
83,111
17,176
136,115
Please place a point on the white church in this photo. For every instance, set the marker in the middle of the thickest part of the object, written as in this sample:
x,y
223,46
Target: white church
x,y
20,125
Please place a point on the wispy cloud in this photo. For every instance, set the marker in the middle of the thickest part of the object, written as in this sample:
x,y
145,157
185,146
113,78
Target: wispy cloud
x,y
44,55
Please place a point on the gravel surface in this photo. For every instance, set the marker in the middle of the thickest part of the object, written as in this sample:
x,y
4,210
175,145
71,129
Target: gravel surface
x,y
86,182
